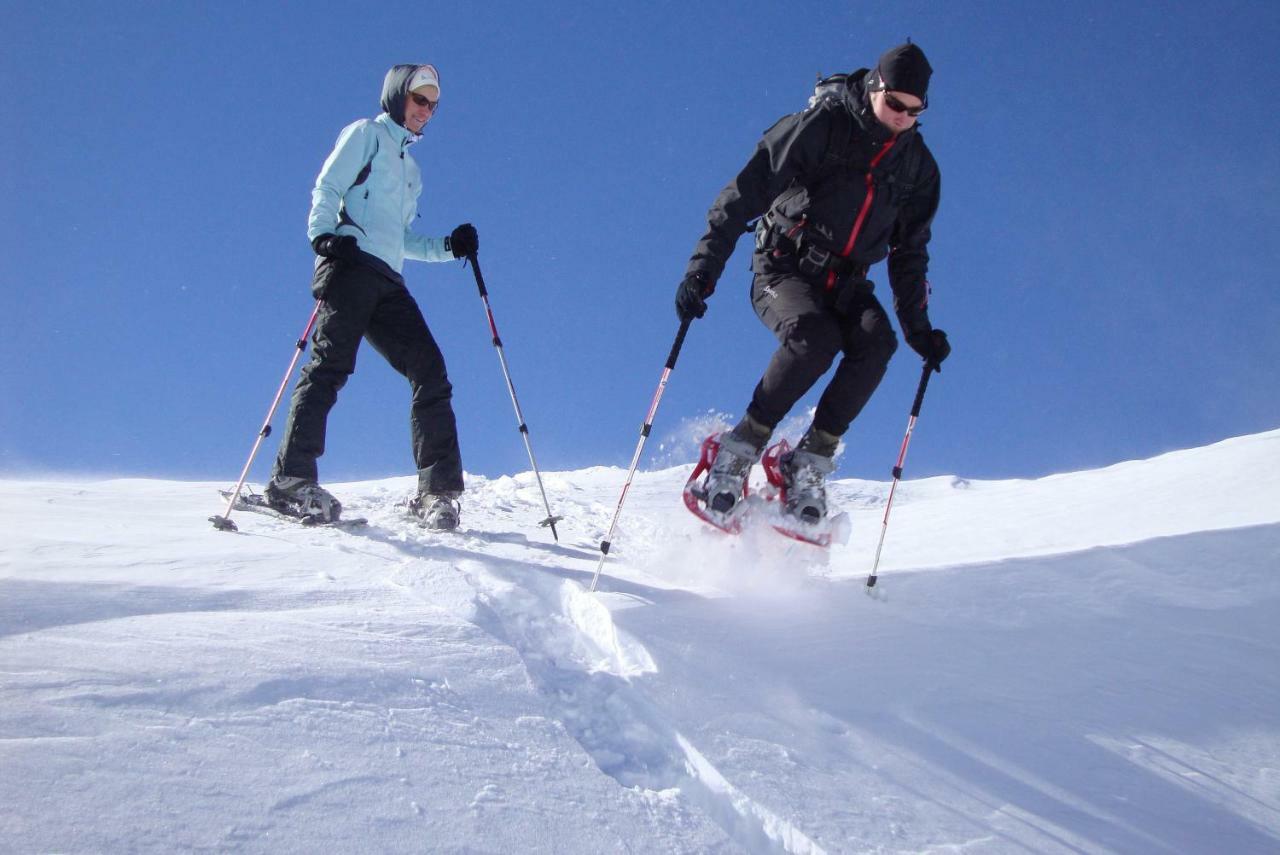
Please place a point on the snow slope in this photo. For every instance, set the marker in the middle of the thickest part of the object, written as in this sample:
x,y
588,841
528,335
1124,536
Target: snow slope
x,y
1089,664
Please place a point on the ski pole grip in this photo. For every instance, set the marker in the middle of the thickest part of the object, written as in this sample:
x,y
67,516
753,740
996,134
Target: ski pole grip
x,y
679,343
924,383
475,268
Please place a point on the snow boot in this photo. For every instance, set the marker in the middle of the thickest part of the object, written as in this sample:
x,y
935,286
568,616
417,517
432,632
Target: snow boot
x,y
804,484
819,442
302,497
739,450
437,511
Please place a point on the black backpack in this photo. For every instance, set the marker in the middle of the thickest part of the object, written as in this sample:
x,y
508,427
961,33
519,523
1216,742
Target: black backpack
x,y
829,93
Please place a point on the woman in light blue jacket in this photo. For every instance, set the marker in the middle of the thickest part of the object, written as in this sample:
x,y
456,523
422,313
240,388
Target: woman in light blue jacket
x,y
364,201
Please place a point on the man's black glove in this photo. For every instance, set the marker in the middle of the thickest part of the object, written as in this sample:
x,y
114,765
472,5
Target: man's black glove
x,y
932,344
691,296
342,247
463,241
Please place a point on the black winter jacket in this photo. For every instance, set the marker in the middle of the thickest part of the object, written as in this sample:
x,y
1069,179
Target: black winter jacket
x,y
861,193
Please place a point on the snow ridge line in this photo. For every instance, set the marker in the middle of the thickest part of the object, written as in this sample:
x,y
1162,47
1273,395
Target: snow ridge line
x,y
583,663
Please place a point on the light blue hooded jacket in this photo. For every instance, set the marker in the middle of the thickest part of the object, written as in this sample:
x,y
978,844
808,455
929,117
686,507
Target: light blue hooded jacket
x,y
379,210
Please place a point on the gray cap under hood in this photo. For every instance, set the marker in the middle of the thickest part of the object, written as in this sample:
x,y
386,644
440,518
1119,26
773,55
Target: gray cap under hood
x,y
394,90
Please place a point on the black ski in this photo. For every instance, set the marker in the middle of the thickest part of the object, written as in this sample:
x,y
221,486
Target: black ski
x,y
256,503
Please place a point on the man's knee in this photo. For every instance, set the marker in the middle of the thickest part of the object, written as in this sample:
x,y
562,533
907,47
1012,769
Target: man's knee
x,y
876,345
886,344
814,336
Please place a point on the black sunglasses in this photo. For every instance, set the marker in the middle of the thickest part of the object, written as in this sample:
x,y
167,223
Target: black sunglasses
x,y
898,107
424,101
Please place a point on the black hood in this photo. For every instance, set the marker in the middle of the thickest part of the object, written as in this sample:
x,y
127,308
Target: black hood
x,y
858,100
859,89
394,91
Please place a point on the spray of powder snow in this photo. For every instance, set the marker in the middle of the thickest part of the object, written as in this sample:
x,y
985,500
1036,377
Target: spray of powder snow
x,y
758,564
683,443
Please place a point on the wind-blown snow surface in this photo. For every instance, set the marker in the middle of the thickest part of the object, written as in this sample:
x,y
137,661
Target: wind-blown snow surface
x,y
1085,663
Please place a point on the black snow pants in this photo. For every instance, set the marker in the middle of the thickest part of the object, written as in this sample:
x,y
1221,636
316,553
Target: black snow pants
x,y
361,302
813,330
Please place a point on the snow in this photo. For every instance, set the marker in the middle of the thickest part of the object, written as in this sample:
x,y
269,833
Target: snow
x,y
1081,663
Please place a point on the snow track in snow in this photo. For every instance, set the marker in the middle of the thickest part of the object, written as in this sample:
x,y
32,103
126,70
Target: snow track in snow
x,y
586,668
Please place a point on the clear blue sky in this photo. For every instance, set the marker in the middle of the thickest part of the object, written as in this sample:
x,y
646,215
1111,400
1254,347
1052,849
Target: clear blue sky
x,y
1105,259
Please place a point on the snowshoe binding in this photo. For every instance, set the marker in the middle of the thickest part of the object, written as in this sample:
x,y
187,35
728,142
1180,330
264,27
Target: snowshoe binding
x,y
719,497
247,500
437,511
302,498
799,479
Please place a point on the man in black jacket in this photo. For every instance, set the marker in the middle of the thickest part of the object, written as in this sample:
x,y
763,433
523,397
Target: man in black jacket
x,y
837,188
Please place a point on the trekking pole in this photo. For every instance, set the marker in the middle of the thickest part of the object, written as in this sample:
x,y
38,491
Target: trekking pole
x,y
551,519
224,523
929,368
644,435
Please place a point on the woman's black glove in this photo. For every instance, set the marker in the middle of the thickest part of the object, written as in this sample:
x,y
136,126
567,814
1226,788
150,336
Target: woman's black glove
x,y
463,241
342,247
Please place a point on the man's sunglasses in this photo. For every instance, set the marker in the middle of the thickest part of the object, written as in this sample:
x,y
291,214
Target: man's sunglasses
x,y
898,107
424,101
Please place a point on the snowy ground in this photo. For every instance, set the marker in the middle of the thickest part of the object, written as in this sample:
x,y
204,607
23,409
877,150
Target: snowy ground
x,y
1082,663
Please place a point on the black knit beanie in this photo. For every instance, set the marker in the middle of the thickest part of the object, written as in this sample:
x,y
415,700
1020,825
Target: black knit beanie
x,y
905,69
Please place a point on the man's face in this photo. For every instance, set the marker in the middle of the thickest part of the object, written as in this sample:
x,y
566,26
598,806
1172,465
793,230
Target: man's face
x,y
419,106
891,109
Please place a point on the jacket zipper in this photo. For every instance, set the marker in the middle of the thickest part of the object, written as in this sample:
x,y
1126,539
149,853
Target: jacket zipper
x,y
400,224
862,214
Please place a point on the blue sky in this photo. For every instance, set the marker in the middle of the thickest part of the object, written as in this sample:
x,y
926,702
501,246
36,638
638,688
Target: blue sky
x,y
1104,259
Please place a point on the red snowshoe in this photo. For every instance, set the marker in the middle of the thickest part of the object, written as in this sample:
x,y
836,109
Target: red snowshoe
x,y
818,533
695,492
772,498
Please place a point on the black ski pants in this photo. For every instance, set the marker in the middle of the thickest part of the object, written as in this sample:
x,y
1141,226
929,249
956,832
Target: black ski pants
x,y
812,331
360,302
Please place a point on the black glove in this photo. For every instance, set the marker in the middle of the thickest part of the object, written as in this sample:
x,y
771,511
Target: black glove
x,y
691,296
463,241
344,247
932,344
